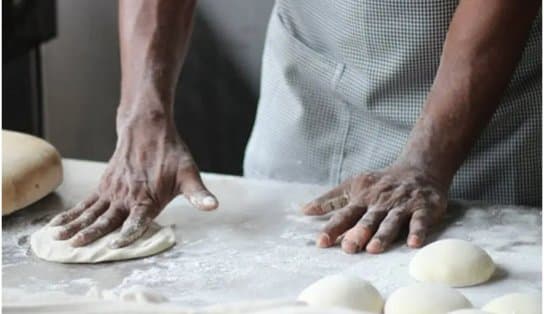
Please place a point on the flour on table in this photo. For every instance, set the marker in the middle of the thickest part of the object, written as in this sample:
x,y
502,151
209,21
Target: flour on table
x,y
17,301
155,240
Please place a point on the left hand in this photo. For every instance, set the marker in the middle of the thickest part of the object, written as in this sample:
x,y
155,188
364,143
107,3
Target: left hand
x,y
371,208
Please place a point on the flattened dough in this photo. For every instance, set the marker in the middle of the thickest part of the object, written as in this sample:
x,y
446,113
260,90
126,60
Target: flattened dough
x,y
155,240
343,291
454,262
31,168
526,303
425,298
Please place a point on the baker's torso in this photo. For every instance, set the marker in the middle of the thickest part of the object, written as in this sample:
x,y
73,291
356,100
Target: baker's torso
x,y
343,83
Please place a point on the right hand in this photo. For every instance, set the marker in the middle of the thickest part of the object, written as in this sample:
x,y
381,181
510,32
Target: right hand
x,y
150,166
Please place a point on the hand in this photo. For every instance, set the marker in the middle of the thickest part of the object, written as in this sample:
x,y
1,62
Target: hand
x,y
372,207
150,166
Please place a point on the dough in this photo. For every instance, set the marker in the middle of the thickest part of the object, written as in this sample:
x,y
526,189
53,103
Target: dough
x,y
456,263
425,298
469,311
343,291
514,303
31,169
155,240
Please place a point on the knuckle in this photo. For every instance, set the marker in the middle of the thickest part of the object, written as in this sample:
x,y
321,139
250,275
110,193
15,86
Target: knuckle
x,y
367,221
395,215
61,218
102,221
382,236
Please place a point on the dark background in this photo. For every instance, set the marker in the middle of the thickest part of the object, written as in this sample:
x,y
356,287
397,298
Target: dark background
x,y
61,77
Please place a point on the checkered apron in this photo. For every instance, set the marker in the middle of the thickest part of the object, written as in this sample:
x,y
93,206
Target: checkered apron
x,y
344,81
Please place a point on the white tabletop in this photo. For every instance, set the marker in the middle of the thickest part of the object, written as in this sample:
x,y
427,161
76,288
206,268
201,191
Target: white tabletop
x,y
258,245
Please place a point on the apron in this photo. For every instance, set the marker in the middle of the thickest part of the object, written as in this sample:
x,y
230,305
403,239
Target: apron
x,y
343,83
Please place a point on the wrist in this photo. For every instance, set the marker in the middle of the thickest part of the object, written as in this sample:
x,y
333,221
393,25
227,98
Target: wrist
x,y
142,120
432,173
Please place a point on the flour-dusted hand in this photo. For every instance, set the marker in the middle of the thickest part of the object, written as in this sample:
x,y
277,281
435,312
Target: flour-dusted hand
x,y
370,209
150,166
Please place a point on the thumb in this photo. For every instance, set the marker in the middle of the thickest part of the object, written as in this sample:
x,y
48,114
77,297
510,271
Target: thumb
x,y
191,186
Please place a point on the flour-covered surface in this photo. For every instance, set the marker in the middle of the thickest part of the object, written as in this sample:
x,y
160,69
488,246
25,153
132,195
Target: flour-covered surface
x,y
258,245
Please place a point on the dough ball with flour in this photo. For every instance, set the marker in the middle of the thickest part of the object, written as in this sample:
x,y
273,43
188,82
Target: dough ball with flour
x,y
31,169
425,298
155,240
343,291
456,263
469,311
514,303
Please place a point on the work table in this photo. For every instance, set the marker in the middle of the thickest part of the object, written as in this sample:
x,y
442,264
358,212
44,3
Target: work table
x,y
258,245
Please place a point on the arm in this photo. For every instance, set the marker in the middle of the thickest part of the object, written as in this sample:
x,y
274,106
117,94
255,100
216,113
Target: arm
x,y
154,36
151,164
481,50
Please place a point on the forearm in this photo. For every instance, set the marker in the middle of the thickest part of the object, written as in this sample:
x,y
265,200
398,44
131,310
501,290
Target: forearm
x,y
154,36
480,53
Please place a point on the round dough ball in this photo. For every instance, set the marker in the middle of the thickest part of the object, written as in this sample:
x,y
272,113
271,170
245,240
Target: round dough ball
x,y
343,291
469,311
456,263
31,169
526,303
425,298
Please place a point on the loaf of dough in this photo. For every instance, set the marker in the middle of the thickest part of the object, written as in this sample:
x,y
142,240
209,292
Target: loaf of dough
x,y
32,169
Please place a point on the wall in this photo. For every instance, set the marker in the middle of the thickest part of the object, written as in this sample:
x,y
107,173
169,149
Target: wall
x,y
216,96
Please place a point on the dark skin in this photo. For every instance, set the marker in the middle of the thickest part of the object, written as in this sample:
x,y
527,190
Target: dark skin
x,y
151,164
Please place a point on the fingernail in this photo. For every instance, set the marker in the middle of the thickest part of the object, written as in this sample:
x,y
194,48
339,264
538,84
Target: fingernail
x,y
350,246
54,222
209,201
76,241
115,244
375,245
59,235
323,240
414,241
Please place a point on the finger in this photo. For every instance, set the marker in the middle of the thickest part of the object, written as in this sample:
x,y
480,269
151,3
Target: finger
x,y
192,187
84,220
74,212
358,236
135,225
419,226
388,230
106,223
333,199
341,221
